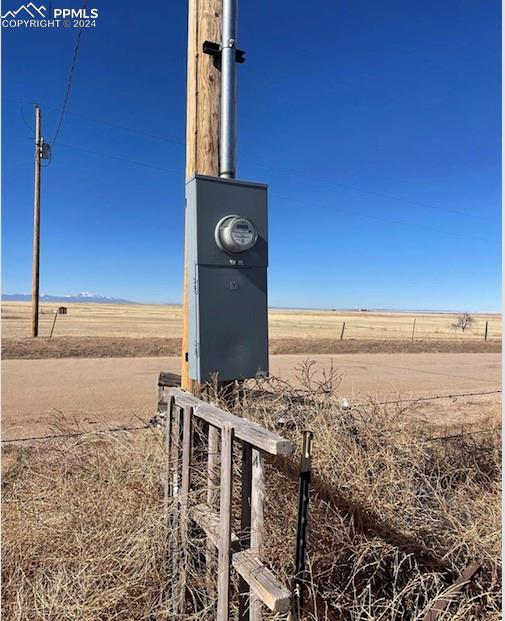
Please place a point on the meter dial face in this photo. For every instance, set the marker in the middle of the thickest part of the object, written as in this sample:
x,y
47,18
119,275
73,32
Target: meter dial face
x,y
243,233
236,234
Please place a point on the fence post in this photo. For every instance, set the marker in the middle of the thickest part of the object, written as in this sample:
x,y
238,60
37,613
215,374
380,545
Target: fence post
x,y
245,526
224,552
176,448
257,520
187,447
485,331
167,484
413,328
342,333
54,322
212,501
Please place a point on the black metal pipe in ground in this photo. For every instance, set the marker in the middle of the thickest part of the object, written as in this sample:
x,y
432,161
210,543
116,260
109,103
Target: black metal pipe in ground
x,y
300,577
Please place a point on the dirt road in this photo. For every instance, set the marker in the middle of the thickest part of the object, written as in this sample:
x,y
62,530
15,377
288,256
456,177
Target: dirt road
x,y
42,395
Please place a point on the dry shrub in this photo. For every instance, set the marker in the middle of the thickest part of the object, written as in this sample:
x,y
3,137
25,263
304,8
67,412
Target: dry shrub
x,y
394,517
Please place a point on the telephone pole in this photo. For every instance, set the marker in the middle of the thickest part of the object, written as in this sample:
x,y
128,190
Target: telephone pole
x,y
202,123
36,224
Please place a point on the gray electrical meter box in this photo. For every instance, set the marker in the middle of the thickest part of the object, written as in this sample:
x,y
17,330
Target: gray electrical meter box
x,y
227,280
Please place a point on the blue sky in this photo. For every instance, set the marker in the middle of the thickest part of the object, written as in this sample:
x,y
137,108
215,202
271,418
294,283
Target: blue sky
x,y
376,125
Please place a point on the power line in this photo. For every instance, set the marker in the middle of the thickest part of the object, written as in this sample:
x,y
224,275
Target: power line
x,y
327,207
294,172
286,198
123,127
372,192
110,156
118,157
286,170
70,78
30,127
378,218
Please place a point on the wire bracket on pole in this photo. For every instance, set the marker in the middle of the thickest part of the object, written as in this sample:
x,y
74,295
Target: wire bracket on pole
x,y
214,50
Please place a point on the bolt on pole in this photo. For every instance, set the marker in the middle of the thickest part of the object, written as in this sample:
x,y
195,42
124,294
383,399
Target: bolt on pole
x,y
36,224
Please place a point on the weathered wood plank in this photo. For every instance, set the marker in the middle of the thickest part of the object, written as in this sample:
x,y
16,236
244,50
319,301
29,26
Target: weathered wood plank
x,y
245,526
184,398
208,521
441,604
187,449
212,467
224,550
245,430
257,520
167,471
176,450
261,580
212,500
166,379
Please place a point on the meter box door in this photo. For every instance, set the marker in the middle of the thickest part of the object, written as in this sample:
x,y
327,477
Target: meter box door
x,y
227,239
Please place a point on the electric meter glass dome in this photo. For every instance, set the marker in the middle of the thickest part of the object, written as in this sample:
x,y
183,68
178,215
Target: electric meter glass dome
x,y
236,234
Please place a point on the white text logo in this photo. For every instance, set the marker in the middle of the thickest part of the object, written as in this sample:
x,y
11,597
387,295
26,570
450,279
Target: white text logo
x,y
33,16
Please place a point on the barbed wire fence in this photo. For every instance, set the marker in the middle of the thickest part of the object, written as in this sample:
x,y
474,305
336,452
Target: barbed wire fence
x,y
155,423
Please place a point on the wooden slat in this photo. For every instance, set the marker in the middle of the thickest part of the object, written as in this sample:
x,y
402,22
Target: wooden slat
x,y
245,527
212,467
176,450
441,604
212,500
243,429
257,520
224,549
167,471
187,449
184,398
208,521
261,580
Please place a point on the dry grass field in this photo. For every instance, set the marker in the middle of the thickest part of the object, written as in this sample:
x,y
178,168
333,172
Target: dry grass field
x,y
164,321
396,514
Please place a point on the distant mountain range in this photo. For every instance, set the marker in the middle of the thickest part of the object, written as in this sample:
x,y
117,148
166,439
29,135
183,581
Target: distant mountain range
x,y
83,297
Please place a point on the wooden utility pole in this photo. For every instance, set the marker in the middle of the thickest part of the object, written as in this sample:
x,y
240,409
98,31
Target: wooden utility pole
x,y
202,124
36,224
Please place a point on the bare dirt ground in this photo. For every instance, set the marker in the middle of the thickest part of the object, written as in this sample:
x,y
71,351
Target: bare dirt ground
x,y
41,396
121,347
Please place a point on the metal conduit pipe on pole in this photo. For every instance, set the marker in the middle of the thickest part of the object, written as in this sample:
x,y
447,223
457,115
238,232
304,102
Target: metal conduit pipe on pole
x,y
228,131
